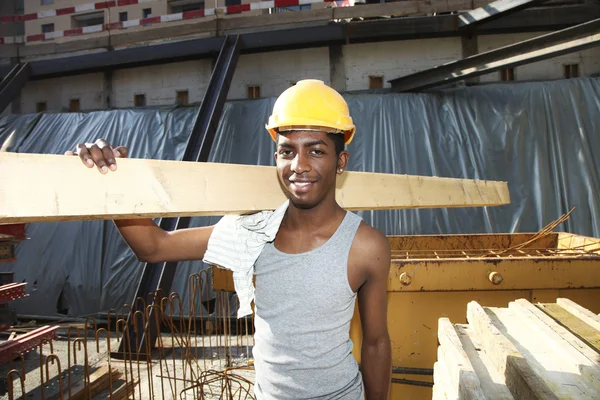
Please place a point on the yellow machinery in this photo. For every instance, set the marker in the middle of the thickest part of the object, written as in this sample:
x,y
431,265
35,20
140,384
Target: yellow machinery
x,y
436,276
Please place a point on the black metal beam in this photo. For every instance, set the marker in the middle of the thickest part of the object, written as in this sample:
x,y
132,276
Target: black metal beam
x,y
158,278
294,38
566,41
494,10
12,84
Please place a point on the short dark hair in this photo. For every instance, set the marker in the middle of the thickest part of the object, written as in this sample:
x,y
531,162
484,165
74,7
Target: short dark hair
x,y
338,141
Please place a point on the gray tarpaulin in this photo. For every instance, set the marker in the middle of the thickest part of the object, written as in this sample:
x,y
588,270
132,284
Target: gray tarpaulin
x,y
542,138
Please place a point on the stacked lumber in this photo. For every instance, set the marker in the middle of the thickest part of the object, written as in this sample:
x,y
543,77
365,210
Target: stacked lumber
x,y
525,351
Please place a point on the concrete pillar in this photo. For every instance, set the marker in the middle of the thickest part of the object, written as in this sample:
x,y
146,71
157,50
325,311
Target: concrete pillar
x,y
107,93
15,106
470,48
337,68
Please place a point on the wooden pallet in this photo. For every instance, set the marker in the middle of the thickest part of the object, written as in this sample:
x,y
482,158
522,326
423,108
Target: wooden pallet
x,y
525,351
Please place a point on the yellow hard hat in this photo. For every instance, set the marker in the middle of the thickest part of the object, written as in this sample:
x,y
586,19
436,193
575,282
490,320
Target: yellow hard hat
x,y
311,105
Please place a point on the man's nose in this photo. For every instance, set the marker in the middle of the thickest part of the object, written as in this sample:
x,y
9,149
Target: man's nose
x,y
300,164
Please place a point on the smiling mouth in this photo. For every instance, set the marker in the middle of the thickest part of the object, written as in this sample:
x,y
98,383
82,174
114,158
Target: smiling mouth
x,y
301,184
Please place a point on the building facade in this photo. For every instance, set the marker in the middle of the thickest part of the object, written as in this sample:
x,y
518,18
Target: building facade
x,y
348,67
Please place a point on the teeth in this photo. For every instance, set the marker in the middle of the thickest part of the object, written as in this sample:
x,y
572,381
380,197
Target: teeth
x,y
301,183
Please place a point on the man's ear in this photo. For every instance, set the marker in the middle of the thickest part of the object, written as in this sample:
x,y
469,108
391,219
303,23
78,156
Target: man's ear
x,y
342,161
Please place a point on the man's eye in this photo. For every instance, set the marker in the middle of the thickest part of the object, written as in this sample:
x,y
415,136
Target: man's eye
x,y
285,152
318,152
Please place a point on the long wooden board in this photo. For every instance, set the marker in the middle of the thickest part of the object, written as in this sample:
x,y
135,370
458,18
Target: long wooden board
x,y
44,188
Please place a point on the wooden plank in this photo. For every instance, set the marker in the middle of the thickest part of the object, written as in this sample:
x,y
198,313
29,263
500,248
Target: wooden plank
x,y
521,379
59,188
99,380
588,334
558,372
580,312
492,382
440,379
461,375
561,340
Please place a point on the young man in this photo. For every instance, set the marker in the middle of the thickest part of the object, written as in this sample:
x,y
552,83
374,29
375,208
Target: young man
x,y
308,278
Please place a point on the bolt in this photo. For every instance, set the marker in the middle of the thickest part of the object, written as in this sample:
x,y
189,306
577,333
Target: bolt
x,y
405,279
495,278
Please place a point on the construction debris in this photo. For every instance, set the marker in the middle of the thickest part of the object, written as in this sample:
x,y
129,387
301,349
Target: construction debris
x,y
525,351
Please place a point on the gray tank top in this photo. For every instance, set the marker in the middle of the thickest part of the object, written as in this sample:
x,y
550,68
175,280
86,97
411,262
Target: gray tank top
x,y
304,305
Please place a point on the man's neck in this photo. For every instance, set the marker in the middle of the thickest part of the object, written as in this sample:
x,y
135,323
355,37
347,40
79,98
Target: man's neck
x,y
312,218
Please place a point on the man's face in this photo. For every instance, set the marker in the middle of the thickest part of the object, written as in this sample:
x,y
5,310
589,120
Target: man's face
x,y
307,166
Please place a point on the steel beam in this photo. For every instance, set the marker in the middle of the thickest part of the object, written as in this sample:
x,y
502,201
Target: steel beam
x,y
566,41
286,39
494,10
12,84
158,278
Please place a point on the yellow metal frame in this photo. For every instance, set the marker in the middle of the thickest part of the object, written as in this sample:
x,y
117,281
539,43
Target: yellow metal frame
x,y
436,276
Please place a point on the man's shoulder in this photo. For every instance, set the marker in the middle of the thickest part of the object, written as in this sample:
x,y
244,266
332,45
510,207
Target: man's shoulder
x,y
370,241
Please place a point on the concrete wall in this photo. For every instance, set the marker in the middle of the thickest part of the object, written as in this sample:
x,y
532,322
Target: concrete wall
x,y
160,83
394,59
57,93
588,60
276,71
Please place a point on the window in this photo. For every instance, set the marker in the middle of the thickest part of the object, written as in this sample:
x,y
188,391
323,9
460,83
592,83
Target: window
x,y
300,7
182,97
47,2
507,74
179,6
41,106
571,70
139,100
74,105
375,82
253,91
146,13
89,19
123,16
47,28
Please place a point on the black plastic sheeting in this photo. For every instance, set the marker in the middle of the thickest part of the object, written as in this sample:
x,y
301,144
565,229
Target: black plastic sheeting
x,y
540,137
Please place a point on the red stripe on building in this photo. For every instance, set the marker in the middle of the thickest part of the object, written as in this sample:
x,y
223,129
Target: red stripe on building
x,y
121,3
115,25
193,14
9,18
151,20
66,10
286,3
28,17
73,32
1,40
238,9
104,4
35,38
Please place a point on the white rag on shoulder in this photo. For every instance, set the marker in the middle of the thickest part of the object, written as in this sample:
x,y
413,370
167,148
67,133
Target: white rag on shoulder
x,y
235,244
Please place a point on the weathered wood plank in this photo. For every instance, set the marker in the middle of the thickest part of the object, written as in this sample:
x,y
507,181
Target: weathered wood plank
x,y
561,340
59,188
492,382
580,312
462,378
521,379
588,334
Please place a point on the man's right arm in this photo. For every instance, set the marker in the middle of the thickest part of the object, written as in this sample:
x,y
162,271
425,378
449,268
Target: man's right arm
x,y
148,241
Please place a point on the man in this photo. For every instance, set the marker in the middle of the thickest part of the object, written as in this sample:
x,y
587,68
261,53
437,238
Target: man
x,y
308,278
